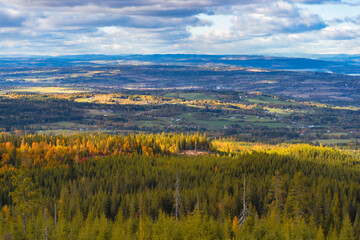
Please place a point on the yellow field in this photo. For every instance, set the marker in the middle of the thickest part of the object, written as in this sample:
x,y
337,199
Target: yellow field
x,y
48,90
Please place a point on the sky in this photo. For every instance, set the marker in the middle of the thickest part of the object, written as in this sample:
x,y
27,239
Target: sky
x,y
263,27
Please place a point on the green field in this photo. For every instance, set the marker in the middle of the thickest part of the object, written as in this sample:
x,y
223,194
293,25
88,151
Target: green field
x,y
60,125
283,112
337,134
267,100
142,111
335,141
191,96
68,132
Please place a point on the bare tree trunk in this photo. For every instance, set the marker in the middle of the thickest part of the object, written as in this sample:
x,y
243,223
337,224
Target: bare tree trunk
x,y
244,213
177,197
36,229
197,206
24,221
55,217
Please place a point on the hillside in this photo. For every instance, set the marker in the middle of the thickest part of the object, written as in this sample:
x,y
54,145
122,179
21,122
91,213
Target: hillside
x,y
331,82
108,148
102,189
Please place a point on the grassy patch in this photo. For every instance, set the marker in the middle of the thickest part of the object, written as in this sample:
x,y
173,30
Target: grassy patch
x,y
60,126
271,125
335,141
267,100
67,132
192,96
48,90
337,134
284,112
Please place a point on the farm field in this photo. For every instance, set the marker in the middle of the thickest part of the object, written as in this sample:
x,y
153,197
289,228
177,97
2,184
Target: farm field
x,y
336,141
46,90
218,113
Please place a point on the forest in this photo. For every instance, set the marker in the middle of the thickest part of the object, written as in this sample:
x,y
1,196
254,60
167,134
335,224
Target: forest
x,y
163,120
174,186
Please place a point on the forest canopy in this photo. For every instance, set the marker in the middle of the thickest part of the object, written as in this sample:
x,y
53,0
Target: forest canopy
x,y
97,186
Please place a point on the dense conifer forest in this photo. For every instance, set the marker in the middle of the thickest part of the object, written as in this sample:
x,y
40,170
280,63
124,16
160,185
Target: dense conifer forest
x,y
164,120
166,186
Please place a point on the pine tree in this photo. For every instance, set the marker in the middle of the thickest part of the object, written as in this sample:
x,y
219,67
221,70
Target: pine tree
x,y
276,195
297,200
118,229
356,226
332,234
25,195
335,212
347,231
320,234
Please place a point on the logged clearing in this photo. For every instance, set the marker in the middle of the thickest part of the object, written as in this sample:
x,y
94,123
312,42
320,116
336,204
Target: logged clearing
x,y
194,153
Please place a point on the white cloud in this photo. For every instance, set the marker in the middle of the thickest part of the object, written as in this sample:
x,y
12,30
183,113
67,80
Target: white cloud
x,y
180,26
276,17
341,32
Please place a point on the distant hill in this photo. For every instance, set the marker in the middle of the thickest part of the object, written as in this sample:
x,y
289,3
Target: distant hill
x,y
343,64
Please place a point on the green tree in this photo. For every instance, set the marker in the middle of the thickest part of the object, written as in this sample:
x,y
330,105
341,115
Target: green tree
x,y
347,231
298,197
320,234
276,195
25,195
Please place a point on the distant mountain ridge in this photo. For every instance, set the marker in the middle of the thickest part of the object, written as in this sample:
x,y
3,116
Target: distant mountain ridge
x,y
342,64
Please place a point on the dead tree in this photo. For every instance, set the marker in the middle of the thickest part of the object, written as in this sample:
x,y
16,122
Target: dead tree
x,y
177,197
197,206
245,211
55,214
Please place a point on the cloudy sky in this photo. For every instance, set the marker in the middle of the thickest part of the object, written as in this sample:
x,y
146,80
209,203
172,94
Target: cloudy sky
x,y
61,27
